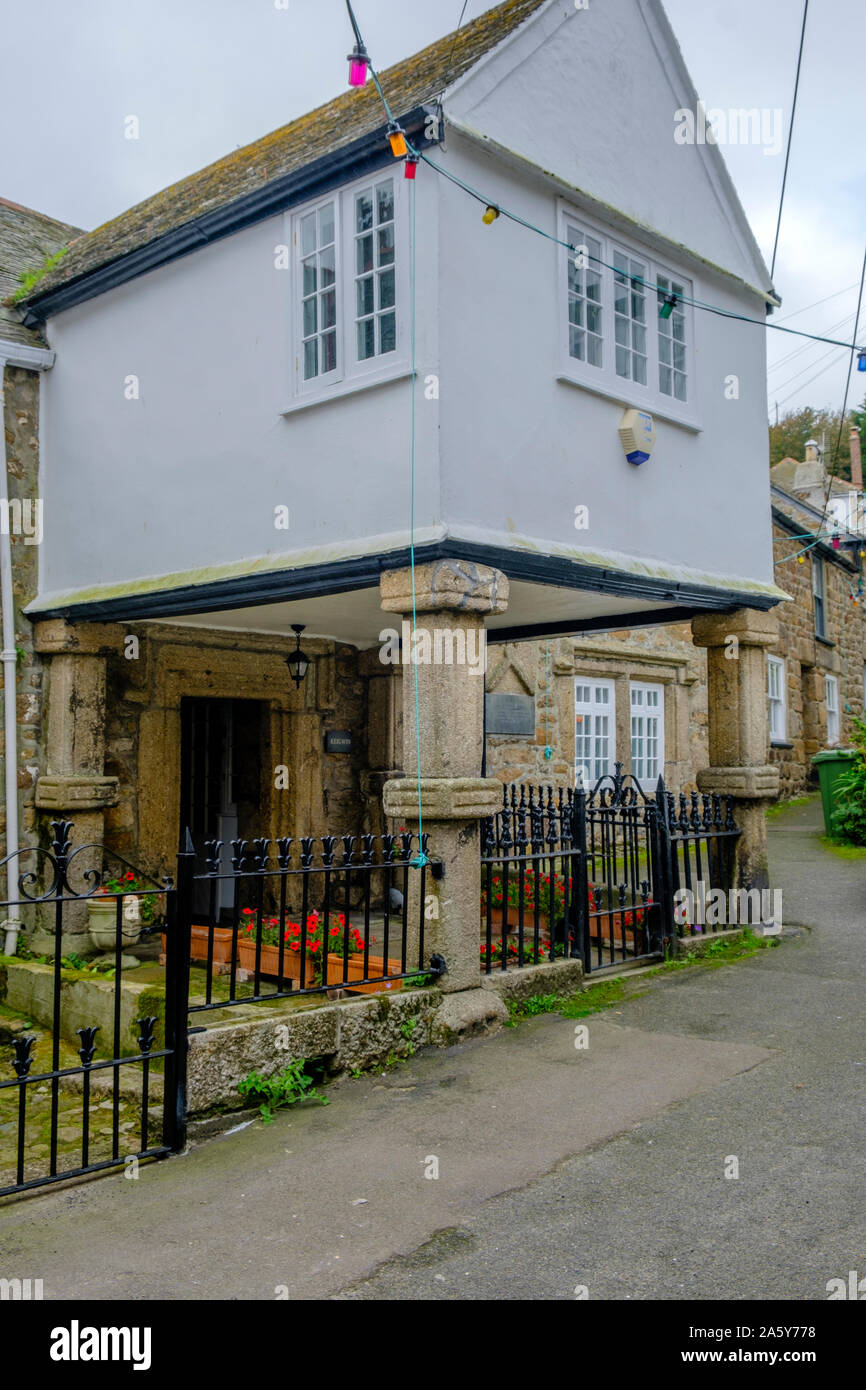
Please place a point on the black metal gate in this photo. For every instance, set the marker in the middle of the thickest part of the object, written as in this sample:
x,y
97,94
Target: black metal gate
x,y
594,874
86,1094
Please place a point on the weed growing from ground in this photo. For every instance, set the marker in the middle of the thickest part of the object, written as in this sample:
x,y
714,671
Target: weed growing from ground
x,y
289,1086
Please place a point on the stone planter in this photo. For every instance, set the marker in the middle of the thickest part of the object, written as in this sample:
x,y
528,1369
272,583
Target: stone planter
x,y
102,921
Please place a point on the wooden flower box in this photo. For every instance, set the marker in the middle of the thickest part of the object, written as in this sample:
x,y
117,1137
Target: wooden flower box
x,y
222,946
354,970
269,963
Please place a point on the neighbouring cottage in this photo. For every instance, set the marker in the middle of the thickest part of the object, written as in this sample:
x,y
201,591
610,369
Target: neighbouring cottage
x,y
254,506
27,239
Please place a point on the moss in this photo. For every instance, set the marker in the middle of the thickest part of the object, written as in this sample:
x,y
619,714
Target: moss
x,y
29,279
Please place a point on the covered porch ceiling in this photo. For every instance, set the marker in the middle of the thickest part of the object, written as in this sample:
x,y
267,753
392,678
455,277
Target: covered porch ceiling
x,y
357,619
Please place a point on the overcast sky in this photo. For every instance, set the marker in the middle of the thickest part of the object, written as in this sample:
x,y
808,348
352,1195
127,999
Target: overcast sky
x,y
206,76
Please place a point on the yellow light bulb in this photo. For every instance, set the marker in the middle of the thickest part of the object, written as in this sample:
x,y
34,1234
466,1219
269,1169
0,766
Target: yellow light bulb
x,y
490,216
801,559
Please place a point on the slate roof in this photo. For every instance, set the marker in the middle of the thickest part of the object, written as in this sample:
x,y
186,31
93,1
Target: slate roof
x,y
26,238
352,115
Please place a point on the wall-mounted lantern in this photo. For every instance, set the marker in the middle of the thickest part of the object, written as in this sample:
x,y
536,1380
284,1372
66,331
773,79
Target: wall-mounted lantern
x,y
297,661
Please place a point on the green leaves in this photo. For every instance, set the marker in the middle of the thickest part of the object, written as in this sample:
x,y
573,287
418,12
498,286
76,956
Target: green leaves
x,y
287,1087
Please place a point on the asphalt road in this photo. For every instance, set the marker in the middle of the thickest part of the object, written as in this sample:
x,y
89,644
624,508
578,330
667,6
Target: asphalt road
x,y
558,1168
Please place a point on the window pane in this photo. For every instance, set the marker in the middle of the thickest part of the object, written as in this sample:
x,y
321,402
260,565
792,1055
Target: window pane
x,y
679,386
329,309
387,332
327,266
311,359
621,332
664,350
575,312
329,352
363,211
593,285
386,244
387,288
308,234
310,275
621,296
366,339
365,296
385,201
594,351
326,224
638,338
364,254
576,338
639,369
621,362
310,321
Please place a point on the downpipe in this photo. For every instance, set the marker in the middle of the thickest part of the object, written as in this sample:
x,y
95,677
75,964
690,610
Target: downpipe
x,y
9,658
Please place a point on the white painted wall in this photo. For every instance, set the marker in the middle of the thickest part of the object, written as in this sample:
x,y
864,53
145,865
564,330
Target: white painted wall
x,y
187,478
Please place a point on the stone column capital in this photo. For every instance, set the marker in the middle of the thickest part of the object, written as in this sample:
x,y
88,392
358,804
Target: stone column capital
x,y
460,585
742,783
443,798
75,792
57,637
752,627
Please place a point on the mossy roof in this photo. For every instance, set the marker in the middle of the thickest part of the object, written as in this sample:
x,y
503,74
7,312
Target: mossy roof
x,y
352,115
26,239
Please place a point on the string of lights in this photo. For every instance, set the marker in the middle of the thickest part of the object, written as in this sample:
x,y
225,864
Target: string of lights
x,y
402,148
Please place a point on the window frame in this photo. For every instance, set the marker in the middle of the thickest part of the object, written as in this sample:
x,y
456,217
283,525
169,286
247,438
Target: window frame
x,y
777,663
351,372
649,781
819,603
832,683
592,708
603,379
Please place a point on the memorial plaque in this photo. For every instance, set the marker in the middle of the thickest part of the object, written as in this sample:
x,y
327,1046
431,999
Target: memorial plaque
x,y
511,714
338,741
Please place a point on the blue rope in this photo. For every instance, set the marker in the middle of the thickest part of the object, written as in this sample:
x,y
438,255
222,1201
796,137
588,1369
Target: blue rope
x,y
421,858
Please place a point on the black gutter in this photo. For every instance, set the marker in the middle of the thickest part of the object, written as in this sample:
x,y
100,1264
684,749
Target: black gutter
x,y
648,617
352,161
363,572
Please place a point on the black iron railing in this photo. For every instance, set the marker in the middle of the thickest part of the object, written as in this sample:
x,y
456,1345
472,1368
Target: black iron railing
x,y
49,1107
305,917
529,878
594,873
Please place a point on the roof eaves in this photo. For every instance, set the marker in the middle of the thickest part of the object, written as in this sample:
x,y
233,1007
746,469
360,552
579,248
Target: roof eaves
x,y
354,159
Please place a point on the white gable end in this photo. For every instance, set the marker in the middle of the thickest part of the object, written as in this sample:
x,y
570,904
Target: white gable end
x,y
591,96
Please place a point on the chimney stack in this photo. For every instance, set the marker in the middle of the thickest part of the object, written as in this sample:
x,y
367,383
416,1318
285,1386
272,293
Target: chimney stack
x,y
812,451
856,461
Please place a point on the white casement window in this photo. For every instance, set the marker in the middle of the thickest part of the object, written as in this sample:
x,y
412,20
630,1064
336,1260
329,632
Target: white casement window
x,y
831,686
594,730
776,696
647,732
348,293
818,595
628,322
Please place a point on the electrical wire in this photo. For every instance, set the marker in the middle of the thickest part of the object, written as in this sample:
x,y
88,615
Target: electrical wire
x,y
834,352
790,133
805,347
818,303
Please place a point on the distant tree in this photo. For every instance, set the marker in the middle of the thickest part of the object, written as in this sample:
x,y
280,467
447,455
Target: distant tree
x,y
788,437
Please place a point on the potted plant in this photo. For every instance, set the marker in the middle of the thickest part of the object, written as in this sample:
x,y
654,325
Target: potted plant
x,y
139,909
315,938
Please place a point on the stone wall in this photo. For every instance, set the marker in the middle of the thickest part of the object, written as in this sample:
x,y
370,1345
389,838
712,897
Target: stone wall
x,y
808,658
547,671
21,425
304,791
